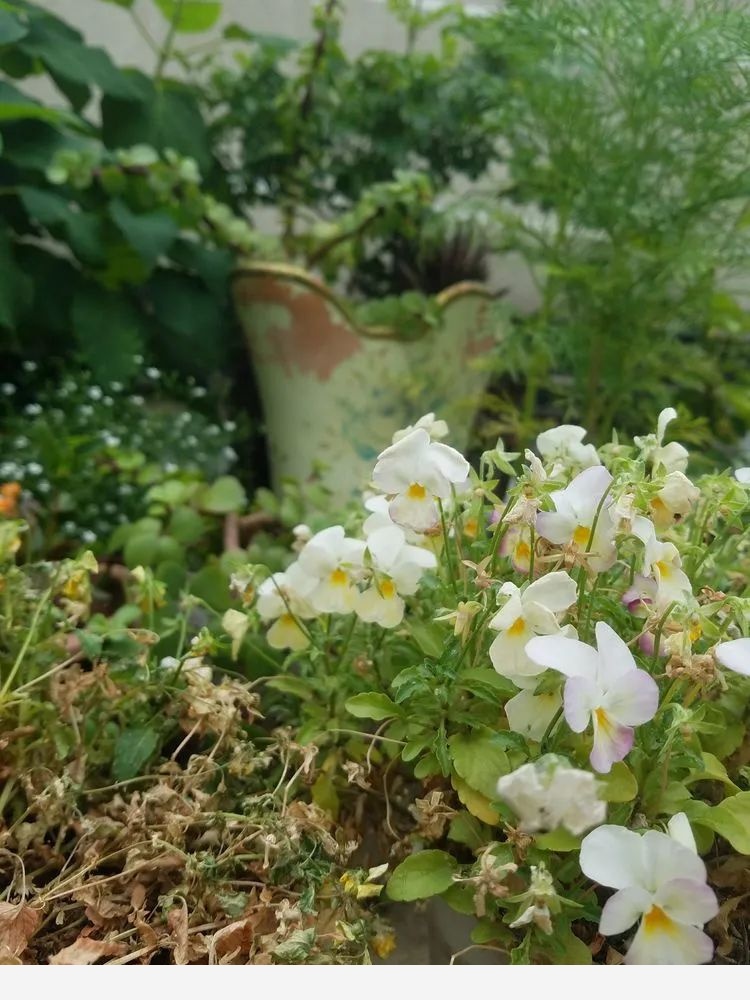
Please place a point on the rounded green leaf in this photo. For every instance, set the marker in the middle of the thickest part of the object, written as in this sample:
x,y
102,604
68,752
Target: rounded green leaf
x,y
372,705
422,875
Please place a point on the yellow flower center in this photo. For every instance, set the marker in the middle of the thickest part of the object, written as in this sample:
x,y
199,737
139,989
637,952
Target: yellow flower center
x,y
287,619
523,551
339,578
658,504
603,720
471,527
416,492
581,536
665,569
695,632
518,627
656,921
387,589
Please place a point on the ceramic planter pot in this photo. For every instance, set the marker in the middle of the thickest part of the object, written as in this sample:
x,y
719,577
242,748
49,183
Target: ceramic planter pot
x,y
334,391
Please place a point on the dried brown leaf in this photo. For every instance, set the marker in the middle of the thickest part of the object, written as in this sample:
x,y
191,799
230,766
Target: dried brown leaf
x,y
231,941
86,951
18,922
177,921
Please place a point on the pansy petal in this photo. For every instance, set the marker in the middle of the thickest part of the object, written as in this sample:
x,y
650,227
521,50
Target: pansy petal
x,y
615,657
451,463
665,859
580,698
529,714
384,546
555,527
665,942
612,741
554,591
612,856
735,655
395,466
568,656
688,901
508,656
508,614
585,492
624,909
420,514
679,829
633,699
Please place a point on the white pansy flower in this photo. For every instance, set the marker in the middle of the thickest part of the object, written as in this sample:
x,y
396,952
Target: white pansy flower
x,y
417,472
674,500
734,655
662,562
743,475
660,882
334,562
397,569
572,521
549,793
563,448
235,624
530,714
530,611
672,457
284,599
437,429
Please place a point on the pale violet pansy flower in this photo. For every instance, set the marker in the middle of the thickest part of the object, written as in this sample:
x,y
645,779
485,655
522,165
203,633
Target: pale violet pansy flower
x,y
573,520
397,568
529,611
549,793
563,448
734,655
417,473
661,882
603,686
334,562
283,599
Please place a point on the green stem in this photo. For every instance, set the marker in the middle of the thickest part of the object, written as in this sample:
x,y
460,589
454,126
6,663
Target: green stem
x,y
30,635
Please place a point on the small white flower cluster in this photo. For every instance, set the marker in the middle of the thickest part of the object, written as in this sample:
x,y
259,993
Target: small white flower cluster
x,y
549,793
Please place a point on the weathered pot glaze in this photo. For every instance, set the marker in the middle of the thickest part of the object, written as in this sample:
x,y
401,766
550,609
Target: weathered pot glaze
x,y
334,392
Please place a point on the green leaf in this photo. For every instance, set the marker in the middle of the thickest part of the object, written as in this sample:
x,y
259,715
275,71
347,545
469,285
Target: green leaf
x,y
150,234
422,875
224,496
109,331
212,586
133,748
324,794
141,550
479,758
619,785
292,685
429,637
467,829
11,28
557,840
730,819
192,322
190,16
713,770
372,705
186,525
167,117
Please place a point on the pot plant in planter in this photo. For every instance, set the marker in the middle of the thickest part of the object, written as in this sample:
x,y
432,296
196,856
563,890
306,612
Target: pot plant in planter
x,y
559,680
355,151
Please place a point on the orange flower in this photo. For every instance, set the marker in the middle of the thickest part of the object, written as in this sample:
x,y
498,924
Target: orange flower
x,y
9,494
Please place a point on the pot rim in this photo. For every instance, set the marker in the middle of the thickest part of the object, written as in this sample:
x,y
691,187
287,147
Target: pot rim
x,y
302,276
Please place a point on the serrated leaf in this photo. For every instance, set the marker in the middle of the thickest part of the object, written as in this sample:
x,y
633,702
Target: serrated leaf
x,y
422,875
149,233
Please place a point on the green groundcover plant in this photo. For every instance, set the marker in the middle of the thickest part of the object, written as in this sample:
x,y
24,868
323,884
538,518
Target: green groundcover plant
x,y
558,671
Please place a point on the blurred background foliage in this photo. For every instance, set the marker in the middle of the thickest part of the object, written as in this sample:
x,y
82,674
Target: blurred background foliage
x,y
604,147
